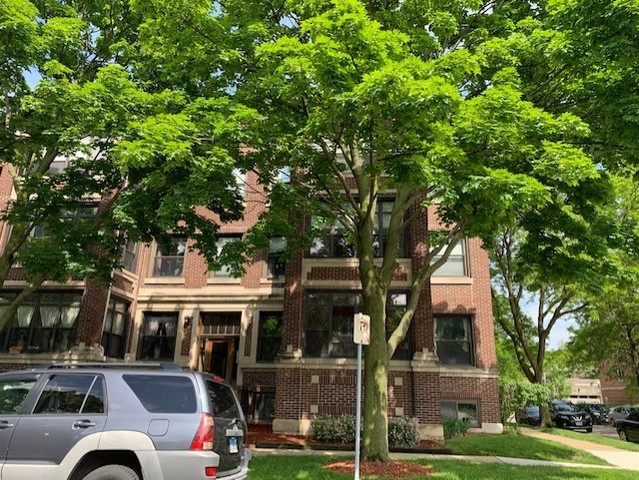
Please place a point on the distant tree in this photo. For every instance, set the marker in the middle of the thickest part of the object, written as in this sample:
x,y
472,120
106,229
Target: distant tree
x,y
607,334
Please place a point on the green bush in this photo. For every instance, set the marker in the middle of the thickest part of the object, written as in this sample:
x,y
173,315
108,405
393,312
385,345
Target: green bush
x,y
454,427
403,432
324,428
345,428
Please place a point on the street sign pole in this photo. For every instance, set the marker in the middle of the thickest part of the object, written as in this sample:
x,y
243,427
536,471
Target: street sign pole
x,y
361,336
358,410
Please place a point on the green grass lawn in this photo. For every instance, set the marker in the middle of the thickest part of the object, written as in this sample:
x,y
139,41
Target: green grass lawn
x,y
520,446
277,467
594,438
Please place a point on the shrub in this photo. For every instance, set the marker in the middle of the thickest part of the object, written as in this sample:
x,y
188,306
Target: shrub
x,y
403,432
324,428
345,429
454,427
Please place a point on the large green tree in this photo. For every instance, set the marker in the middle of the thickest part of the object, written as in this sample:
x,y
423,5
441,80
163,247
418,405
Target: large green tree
x,y
420,101
71,96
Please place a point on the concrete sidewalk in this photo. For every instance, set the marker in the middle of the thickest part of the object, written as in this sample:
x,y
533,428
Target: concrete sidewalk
x,y
407,456
614,456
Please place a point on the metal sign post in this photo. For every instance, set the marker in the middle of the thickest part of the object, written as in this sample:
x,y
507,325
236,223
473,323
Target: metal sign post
x,y
361,336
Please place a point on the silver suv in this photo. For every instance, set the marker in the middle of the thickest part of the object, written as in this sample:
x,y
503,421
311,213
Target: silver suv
x,y
120,422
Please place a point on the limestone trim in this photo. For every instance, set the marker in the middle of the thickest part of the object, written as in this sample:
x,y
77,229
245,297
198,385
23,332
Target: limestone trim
x,y
164,281
446,371
451,280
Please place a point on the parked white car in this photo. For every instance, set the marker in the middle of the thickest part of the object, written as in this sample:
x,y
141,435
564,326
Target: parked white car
x,y
620,413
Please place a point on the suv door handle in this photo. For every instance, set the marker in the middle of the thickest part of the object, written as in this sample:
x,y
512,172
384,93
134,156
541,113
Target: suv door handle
x,y
4,424
83,424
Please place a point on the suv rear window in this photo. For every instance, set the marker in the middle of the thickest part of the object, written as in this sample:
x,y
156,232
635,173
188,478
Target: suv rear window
x,y
163,393
223,401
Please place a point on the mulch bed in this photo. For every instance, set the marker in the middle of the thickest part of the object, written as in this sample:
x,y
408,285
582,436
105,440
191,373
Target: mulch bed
x,y
382,469
262,436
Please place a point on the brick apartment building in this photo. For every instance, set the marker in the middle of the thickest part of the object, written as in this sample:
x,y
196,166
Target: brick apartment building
x,y
282,334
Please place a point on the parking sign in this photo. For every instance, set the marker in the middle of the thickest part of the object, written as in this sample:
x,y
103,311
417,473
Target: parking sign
x,y
362,329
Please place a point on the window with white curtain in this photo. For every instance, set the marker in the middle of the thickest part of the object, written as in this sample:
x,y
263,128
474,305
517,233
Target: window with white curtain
x,y
45,322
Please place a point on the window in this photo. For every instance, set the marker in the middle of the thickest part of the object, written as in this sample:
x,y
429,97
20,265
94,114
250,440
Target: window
x,y
130,256
60,164
462,410
225,271
226,324
163,393
276,265
395,308
455,265
382,223
13,391
240,180
329,323
269,336
45,322
71,394
169,259
158,336
79,213
115,328
453,339
335,242
264,406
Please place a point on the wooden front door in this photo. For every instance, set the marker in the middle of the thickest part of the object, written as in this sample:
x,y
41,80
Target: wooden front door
x,y
220,355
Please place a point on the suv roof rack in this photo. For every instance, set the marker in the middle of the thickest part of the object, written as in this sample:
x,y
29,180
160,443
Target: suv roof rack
x,y
106,365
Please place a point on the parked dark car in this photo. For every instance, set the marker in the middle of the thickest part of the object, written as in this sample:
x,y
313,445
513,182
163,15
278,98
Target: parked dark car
x,y
566,415
628,429
529,416
598,412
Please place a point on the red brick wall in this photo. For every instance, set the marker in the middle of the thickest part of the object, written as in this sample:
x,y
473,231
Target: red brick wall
x,y
474,299
91,318
485,391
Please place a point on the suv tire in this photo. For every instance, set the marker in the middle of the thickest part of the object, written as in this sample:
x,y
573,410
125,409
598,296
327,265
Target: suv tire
x,y
112,472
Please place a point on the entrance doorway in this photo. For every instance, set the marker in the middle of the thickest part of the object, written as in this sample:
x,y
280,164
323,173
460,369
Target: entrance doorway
x,y
220,337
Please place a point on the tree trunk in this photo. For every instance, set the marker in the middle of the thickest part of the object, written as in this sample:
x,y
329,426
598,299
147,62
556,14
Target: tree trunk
x,y
375,438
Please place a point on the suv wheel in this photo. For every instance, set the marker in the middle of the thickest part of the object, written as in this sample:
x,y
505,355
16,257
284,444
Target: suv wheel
x,y
623,436
112,472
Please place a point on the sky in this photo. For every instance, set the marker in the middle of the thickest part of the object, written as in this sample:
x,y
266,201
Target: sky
x,y
559,334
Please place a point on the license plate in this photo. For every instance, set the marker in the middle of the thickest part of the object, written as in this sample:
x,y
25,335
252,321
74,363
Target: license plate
x,y
233,445
578,424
